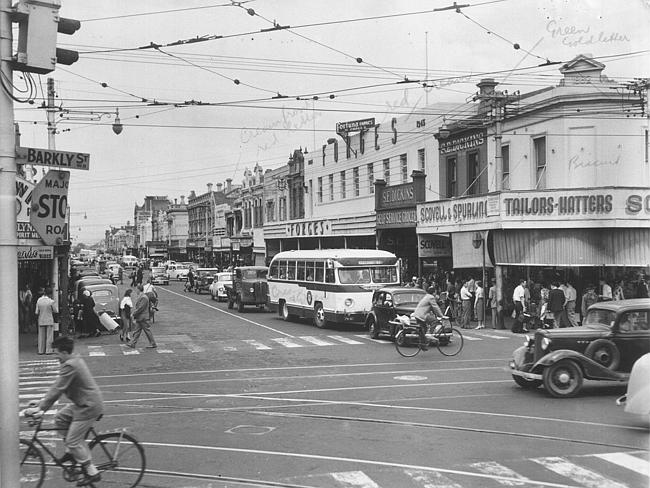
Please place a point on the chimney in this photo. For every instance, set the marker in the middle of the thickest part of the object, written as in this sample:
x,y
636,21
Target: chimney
x,y
182,199
486,94
228,184
210,188
175,201
192,196
219,186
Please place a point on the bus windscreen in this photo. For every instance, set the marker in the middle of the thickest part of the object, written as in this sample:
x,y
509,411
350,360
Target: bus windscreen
x,y
367,275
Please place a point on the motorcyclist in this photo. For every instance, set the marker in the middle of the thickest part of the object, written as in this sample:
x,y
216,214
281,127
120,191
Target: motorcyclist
x,y
427,306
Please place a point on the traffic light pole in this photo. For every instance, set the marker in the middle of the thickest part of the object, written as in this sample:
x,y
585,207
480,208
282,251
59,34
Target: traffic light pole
x,y
9,458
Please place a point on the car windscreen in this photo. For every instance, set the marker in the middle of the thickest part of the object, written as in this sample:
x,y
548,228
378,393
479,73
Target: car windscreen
x,y
102,293
158,270
224,278
407,298
599,317
253,274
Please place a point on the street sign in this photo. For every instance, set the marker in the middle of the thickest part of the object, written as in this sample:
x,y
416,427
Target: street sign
x,y
51,157
50,206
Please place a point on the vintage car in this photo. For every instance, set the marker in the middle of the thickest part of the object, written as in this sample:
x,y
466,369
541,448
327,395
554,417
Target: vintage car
x,y
613,336
158,275
637,398
177,271
249,287
218,289
203,279
388,303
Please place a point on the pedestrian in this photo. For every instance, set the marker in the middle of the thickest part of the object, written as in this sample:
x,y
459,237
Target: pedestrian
x,y
642,290
126,307
556,301
479,305
90,320
466,304
76,418
25,297
140,316
138,275
151,292
588,299
605,291
571,296
133,276
46,307
120,274
519,301
492,299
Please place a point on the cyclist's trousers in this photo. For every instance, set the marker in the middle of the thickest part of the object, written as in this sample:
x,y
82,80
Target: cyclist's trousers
x,y
76,432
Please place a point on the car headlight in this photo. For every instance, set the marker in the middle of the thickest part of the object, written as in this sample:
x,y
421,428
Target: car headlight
x,y
545,343
526,340
348,302
251,289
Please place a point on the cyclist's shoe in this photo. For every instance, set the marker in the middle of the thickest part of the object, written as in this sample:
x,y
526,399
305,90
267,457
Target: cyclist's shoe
x,y
67,458
89,480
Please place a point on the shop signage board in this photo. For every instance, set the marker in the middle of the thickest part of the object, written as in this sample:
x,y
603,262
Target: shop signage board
x,y
354,125
312,228
396,196
400,217
462,143
49,207
28,253
452,215
52,157
431,246
25,232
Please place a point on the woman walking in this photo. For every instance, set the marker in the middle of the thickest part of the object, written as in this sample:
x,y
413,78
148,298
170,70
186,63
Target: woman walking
x,y
479,305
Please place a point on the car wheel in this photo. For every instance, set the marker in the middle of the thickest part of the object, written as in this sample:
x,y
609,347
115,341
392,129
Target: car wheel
x,y
212,296
319,316
563,379
526,384
240,304
605,353
373,330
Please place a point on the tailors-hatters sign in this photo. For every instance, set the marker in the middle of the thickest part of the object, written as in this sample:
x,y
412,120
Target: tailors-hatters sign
x,y
312,228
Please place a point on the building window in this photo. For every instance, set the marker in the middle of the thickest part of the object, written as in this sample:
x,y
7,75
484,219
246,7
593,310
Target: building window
x,y
452,183
270,210
422,160
505,163
331,178
343,184
387,171
320,189
472,173
371,178
539,150
403,162
355,177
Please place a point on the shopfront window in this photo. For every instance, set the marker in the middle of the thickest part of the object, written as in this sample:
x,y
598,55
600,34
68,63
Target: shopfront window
x,y
505,162
472,173
343,193
404,168
331,181
355,177
386,163
320,189
422,160
371,178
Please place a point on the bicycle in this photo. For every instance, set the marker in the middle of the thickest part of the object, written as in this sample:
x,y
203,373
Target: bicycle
x,y
118,456
444,336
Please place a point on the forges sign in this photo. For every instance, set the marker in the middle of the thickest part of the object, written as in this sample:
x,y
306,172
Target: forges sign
x,y
50,206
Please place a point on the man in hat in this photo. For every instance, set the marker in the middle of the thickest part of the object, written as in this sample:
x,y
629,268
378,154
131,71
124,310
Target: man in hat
x,y
492,300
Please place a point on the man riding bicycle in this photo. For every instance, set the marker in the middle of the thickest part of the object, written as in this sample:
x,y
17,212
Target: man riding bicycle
x,y
77,383
427,306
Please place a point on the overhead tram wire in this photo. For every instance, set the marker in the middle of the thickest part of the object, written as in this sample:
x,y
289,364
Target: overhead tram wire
x,y
176,10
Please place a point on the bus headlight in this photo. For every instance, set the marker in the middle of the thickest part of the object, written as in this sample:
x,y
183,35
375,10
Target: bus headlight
x,y
348,302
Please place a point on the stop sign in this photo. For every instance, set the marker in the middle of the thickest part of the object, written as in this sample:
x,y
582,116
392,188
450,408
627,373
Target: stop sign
x,y
50,207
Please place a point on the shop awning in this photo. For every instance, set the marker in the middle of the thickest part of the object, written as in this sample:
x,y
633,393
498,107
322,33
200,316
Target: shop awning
x,y
572,247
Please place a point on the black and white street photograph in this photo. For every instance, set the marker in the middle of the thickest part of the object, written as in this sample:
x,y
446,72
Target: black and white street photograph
x,y
324,244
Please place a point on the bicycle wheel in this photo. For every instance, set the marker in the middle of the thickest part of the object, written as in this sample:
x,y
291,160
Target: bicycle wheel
x,y
32,465
120,459
407,341
450,341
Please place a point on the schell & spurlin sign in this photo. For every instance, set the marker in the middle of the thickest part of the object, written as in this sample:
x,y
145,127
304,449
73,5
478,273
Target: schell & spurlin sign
x,y
455,212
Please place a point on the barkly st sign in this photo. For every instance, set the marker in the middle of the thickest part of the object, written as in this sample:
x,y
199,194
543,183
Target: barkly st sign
x,y
51,157
50,206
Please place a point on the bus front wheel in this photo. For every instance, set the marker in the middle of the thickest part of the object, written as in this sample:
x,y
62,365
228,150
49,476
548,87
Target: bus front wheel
x,y
319,316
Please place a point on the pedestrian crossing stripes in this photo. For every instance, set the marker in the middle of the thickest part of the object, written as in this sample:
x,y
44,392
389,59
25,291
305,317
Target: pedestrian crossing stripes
x,y
34,379
170,344
569,471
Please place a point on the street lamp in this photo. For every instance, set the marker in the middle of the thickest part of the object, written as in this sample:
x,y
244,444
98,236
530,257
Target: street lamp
x,y
93,116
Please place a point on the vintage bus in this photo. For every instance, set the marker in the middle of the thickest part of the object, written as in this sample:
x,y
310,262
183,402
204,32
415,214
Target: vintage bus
x,y
329,285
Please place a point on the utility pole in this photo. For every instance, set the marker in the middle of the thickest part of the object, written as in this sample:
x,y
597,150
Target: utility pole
x,y
59,273
9,348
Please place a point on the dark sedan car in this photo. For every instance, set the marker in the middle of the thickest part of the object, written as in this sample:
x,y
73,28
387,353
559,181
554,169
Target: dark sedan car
x,y
388,303
613,336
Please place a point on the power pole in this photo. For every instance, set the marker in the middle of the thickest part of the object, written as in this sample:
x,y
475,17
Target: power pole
x,y
9,348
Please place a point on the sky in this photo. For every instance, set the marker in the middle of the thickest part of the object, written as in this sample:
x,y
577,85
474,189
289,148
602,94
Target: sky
x,y
195,113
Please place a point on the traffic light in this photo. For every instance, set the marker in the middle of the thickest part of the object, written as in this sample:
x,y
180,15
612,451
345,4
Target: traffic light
x,y
38,24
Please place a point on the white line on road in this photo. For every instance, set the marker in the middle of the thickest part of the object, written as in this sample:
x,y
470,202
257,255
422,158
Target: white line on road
x,y
429,479
578,474
256,344
283,341
192,347
491,467
368,338
628,461
227,313
346,340
357,479
316,340
96,351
